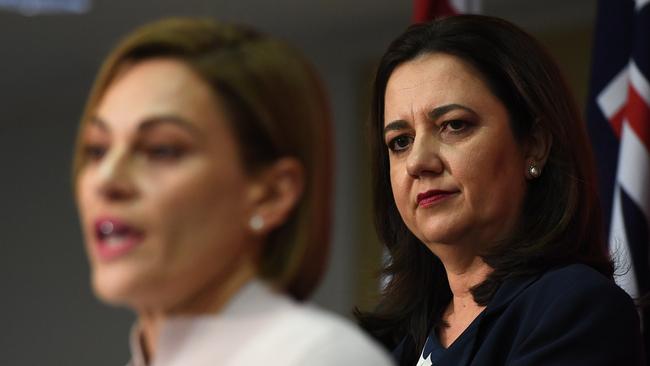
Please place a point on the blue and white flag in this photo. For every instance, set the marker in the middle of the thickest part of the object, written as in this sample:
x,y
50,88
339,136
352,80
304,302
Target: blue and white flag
x,y
618,118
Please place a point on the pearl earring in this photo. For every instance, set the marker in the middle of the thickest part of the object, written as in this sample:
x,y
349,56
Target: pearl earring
x,y
533,170
256,223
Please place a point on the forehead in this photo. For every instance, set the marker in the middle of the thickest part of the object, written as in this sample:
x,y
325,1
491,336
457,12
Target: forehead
x,y
434,67
431,80
161,86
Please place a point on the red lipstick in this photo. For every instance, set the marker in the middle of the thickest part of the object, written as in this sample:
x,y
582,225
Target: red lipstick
x,y
115,238
431,197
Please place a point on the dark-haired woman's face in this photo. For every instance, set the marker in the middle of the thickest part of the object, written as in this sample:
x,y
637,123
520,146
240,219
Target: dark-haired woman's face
x,y
456,170
162,193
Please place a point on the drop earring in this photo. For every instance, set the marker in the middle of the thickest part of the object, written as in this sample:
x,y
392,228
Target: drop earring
x,y
256,223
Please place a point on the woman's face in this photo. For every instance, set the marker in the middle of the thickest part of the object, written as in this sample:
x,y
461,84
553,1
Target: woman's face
x,y
163,197
456,170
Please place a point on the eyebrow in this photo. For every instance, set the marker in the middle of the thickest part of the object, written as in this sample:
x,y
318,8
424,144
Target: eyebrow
x,y
432,115
152,122
96,121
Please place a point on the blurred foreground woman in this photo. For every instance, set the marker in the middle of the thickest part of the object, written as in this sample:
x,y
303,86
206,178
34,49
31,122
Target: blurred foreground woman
x,y
203,183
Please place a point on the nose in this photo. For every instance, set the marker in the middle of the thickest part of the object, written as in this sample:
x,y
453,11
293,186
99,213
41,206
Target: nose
x,y
424,158
115,179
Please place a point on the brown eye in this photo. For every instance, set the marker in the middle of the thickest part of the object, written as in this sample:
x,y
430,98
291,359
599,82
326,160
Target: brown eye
x,y
164,152
400,143
455,125
94,152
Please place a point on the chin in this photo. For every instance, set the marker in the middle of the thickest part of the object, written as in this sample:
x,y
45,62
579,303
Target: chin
x,y
117,288
446,237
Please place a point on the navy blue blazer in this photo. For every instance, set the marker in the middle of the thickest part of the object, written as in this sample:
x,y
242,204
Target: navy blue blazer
x,y
569,316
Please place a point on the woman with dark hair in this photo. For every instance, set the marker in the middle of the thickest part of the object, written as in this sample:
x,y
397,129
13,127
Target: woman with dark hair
x,y
486,200
202,177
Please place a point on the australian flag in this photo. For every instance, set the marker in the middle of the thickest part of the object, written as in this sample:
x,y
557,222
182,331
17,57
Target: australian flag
x,y
618,118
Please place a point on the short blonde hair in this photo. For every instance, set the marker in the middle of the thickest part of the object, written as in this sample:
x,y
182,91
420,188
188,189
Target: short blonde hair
x,y
277,107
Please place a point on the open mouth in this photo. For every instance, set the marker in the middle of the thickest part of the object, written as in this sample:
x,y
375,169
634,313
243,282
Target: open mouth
x,y
115,238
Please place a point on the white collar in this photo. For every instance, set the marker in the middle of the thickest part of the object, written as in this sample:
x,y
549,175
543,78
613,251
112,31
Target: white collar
x,y
187,338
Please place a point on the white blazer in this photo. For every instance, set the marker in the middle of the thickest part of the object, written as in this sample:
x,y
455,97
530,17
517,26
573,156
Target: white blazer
x,y
261,327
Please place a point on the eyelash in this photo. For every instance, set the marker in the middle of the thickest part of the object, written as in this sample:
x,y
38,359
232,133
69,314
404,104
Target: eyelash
x,y
463,126
444,128
94,152
162,152
393,143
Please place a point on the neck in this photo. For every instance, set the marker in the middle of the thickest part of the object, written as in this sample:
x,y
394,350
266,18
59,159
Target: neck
x,y
465,269
209,299
463,276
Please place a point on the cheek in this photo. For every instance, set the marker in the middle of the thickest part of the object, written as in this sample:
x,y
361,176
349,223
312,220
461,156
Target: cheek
x,y
400,184
84,195
492,177
201,207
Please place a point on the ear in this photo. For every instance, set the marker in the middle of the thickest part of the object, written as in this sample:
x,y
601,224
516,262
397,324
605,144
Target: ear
x,y
537,149
275,193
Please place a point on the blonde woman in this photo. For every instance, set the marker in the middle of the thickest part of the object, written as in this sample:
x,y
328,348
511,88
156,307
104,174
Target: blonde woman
x,y
203,184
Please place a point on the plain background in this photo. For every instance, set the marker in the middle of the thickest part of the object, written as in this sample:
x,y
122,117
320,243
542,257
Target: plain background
x,y
48,315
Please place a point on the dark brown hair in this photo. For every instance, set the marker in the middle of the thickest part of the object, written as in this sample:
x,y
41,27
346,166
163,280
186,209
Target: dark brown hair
x,y
561,218
277,107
